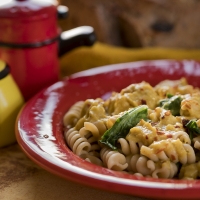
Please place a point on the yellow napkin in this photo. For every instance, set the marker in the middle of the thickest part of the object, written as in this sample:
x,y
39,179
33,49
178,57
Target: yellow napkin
x,y
101,54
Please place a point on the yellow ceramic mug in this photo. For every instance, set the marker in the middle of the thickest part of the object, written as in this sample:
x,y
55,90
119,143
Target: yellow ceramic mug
x,y
11,102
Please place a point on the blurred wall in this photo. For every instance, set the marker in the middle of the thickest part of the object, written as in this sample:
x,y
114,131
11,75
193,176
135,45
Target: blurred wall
x,y
138,23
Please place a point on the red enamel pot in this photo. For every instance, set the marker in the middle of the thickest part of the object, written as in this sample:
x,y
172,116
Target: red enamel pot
x,y
31,42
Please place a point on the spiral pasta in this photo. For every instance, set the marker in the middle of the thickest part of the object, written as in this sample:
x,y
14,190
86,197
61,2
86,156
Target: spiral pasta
x,y
140,164
167,169
92,159
78,144
128,147
163,143
113,159
170,149
73,114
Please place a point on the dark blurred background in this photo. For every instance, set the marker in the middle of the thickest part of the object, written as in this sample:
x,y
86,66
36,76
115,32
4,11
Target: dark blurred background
x,y
138,23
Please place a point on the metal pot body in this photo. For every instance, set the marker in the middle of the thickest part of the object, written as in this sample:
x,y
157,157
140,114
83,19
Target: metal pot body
x,y
31,42
32,68
29,45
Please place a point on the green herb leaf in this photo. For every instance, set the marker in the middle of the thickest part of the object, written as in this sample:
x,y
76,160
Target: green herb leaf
x,y
169,95
123,124
192,128
173,104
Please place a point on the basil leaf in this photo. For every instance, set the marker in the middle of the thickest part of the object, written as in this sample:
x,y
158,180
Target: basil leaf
x,y
192,129
173,104
123,125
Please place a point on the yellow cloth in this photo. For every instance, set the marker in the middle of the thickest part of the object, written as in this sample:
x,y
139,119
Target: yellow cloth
x,y
101,54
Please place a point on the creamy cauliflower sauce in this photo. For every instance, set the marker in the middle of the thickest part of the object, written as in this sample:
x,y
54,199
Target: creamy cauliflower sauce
x,y
143,130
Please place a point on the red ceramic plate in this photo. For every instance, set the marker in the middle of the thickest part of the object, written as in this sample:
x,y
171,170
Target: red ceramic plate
x,y
39,128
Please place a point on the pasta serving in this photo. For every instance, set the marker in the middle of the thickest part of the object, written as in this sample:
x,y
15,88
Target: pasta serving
x,y
143,130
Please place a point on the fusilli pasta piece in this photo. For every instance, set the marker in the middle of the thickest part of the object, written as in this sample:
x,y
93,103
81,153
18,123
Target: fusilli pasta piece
x,y
91,139
166,170
140,164
79,145
128,147
95,128
74,113
92,159
182,136
171,149
113,159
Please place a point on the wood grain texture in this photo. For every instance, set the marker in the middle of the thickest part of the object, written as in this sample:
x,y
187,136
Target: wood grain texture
x,y
21,179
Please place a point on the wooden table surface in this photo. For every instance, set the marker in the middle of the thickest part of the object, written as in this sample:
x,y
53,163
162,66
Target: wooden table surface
x,y
21,179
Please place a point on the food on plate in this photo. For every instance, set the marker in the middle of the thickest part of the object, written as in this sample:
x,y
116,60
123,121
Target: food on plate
x,y
150,131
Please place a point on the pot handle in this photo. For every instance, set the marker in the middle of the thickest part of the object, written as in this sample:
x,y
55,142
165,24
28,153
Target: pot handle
x,y
80,36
